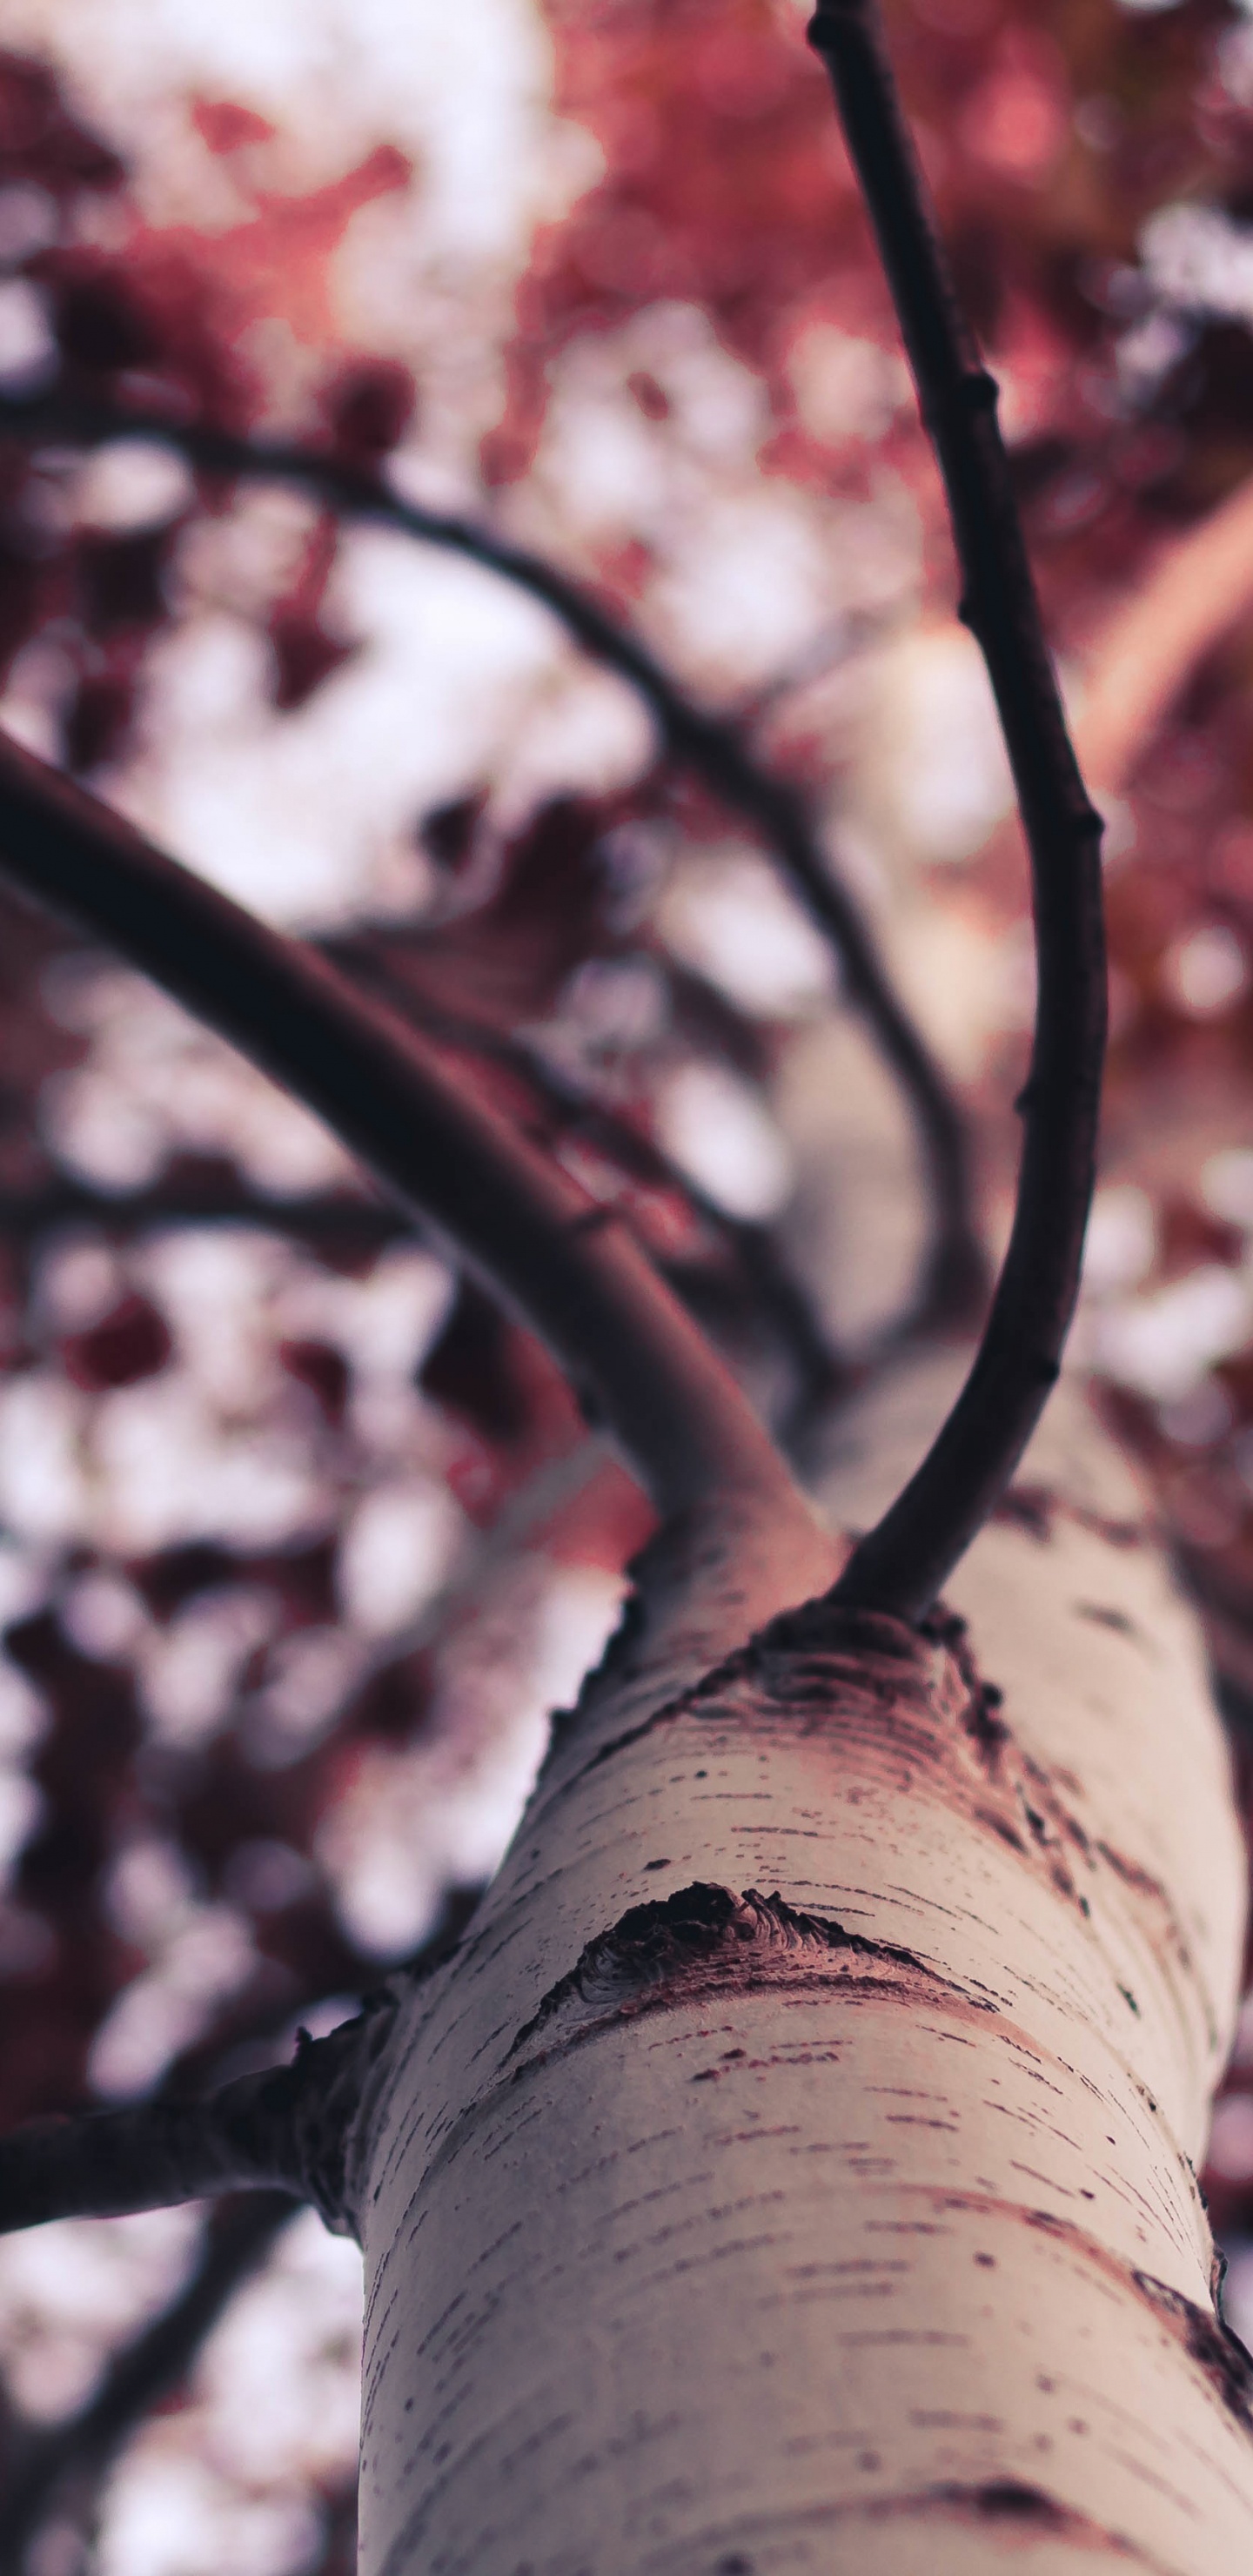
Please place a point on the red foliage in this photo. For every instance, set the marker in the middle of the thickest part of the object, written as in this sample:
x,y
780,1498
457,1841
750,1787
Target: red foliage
x,y
133,1341
41,139
553,904
226,127
305,648
369,404
154,326
473,1368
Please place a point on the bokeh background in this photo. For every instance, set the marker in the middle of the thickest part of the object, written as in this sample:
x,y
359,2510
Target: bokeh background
x,y
300,1536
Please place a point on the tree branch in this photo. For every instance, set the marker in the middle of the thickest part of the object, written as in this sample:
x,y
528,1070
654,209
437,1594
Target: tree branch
x,y
576,1275
324,1217
713,747
902,1563
79,2453
283,2130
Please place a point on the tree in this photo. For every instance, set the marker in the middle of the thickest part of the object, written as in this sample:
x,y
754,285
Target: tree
x,y
622,2347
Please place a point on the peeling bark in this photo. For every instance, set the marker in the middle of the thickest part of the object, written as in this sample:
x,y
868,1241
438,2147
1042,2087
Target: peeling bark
x,y
795,2168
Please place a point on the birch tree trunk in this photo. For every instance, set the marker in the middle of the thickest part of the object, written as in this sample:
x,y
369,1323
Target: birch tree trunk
x,y
795,2169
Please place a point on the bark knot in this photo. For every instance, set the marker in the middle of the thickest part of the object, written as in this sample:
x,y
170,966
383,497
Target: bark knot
x,y
704,1939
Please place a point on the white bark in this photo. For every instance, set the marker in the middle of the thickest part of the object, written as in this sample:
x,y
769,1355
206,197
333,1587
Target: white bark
x,y
839,2212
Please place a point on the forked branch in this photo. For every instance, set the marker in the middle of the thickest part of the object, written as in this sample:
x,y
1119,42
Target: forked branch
x,y
714,748
586,1286
901,1565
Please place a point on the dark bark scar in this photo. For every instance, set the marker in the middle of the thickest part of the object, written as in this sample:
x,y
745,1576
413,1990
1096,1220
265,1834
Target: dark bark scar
x,y
909,1708
705,1941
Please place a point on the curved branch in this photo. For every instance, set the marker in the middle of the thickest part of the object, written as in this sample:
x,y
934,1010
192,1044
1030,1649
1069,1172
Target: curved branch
x,y
901,1564
712,747
576,1275
80,2452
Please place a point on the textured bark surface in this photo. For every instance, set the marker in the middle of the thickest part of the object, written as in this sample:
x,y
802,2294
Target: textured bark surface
x,y
795,2169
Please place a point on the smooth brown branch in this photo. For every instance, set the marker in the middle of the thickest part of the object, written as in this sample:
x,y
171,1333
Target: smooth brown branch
x,y
70,2460
577,1276
901,1565
714,748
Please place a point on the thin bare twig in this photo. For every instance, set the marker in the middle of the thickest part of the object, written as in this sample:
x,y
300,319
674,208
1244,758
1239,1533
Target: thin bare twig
x,y
780,1298
902,1563
320,1218
326,1221
74,2457
575,1274
713,747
